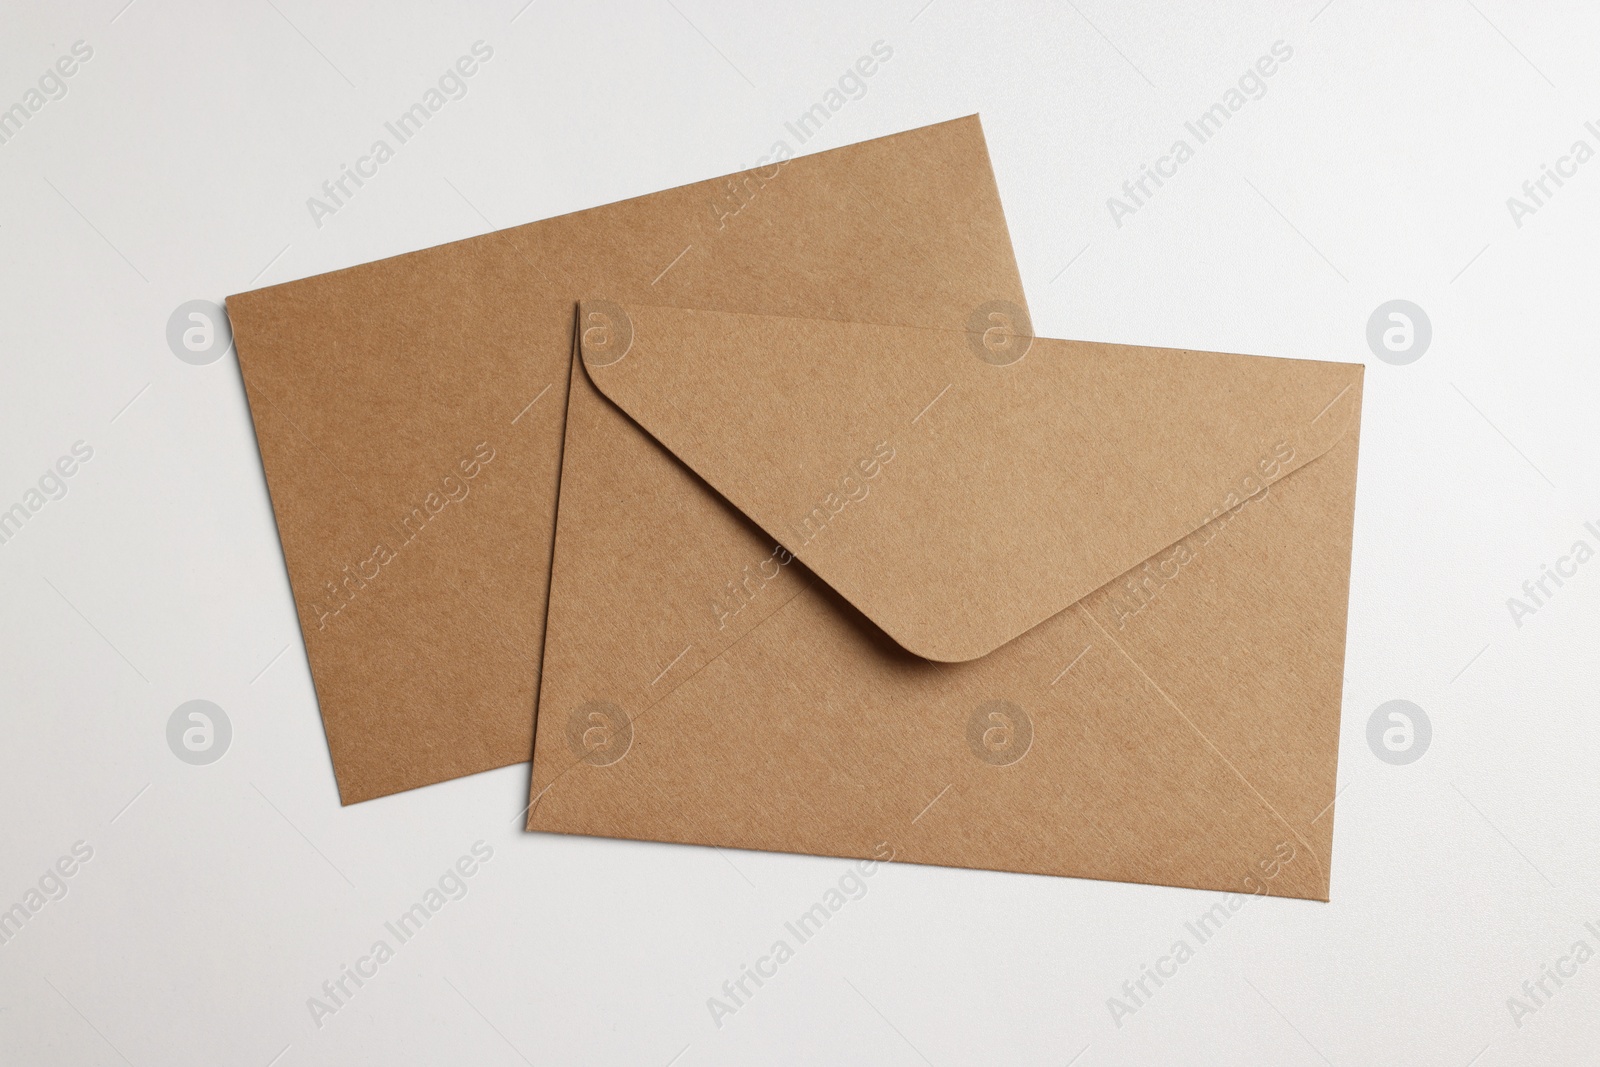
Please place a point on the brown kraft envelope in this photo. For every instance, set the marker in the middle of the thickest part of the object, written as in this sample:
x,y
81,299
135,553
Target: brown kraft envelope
x,y
962,597
409,413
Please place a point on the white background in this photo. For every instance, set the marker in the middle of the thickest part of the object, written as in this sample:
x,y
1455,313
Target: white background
x,y
219,898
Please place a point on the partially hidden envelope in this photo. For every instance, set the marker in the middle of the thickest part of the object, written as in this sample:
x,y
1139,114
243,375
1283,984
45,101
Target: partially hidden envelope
x,y
959,597
409,413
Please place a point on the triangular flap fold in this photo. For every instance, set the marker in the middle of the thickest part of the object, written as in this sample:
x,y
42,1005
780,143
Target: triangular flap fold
x,y
959,487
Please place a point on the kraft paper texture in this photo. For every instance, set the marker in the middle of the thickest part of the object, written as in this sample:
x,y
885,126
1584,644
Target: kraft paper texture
x,y
978,598
410,414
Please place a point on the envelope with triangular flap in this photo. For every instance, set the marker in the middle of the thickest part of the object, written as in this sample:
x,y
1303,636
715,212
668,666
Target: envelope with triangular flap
x,y
962,597
409,413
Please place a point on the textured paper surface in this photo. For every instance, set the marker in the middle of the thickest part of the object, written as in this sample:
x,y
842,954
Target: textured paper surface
x,y
409,414
1134,564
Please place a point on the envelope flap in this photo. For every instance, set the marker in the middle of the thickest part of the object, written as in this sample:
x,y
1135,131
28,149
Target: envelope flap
x,y
959,487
